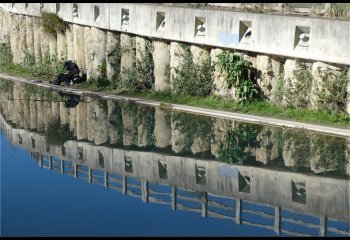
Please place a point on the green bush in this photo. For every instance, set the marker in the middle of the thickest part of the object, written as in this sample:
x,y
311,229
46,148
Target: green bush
x,y
191,78
297,92
52,23
332,95
237,75
5,53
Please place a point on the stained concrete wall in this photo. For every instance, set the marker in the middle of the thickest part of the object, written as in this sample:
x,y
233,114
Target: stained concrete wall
x,y
271,34
89,42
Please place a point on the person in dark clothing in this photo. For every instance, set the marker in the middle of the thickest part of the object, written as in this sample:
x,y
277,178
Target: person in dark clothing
x,y
71,76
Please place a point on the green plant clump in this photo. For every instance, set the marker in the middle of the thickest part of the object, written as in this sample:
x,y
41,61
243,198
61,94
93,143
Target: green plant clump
x,y
237,75
332,94
5,53
52,23
192,78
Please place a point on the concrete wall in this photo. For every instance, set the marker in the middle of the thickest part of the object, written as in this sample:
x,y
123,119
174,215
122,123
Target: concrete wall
x,y
271,34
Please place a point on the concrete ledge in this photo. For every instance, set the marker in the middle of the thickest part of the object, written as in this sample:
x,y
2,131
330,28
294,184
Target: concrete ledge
x,y
340,132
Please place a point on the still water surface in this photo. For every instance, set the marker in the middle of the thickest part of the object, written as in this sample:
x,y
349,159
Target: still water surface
x,y
85,166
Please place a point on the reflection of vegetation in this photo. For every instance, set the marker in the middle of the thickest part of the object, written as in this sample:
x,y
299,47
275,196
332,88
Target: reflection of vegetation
x,y
331,152
6,86
115,118
130,110
233,148
298,143
102,104
58,134
192,126
145,116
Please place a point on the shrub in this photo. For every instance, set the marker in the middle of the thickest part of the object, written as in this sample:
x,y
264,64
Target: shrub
x,y
192,78
52,23
332,94
237,75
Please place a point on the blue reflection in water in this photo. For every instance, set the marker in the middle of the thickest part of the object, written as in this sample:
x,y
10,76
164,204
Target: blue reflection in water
x,y
39,202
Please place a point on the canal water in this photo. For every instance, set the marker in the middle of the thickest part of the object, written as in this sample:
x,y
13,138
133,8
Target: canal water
x,y
84,166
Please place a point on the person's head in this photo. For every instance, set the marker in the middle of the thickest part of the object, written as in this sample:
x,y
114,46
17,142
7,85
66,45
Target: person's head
x,y
67,63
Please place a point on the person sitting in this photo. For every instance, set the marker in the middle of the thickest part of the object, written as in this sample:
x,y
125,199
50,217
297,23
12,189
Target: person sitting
x,y
71,76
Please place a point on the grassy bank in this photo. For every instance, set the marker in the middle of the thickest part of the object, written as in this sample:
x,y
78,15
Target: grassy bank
x,y
260,108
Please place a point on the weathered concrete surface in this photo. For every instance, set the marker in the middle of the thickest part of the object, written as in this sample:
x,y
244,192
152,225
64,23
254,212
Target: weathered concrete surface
x,y
82,120
79,46
61,47
29,35
348,90
161,59
114,123
88,49
176,52
22,38
199,54
111,42
126,58
70,43
321,72
162,131
15,38
99,49
37,40
267,76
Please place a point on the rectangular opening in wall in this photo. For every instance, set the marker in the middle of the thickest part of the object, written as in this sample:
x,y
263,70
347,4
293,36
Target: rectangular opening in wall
x,y
33,142
58,8
245,31
298,192
128,164
163,169
101,160
200,26
160,23
63,151
96,12
80,154
125,18
200,175
243,183
75,10
302,37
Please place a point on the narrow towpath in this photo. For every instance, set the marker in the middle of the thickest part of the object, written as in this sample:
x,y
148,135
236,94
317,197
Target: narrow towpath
x,y
337,131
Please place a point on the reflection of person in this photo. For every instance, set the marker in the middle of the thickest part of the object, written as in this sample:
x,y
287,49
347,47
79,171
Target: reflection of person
x,y
71,76
70,100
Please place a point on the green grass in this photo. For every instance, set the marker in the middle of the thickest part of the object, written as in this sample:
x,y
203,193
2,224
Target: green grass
x,y
260,108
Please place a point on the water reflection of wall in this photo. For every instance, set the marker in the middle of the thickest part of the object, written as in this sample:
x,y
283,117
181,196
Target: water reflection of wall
x,y
109,122
299,192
